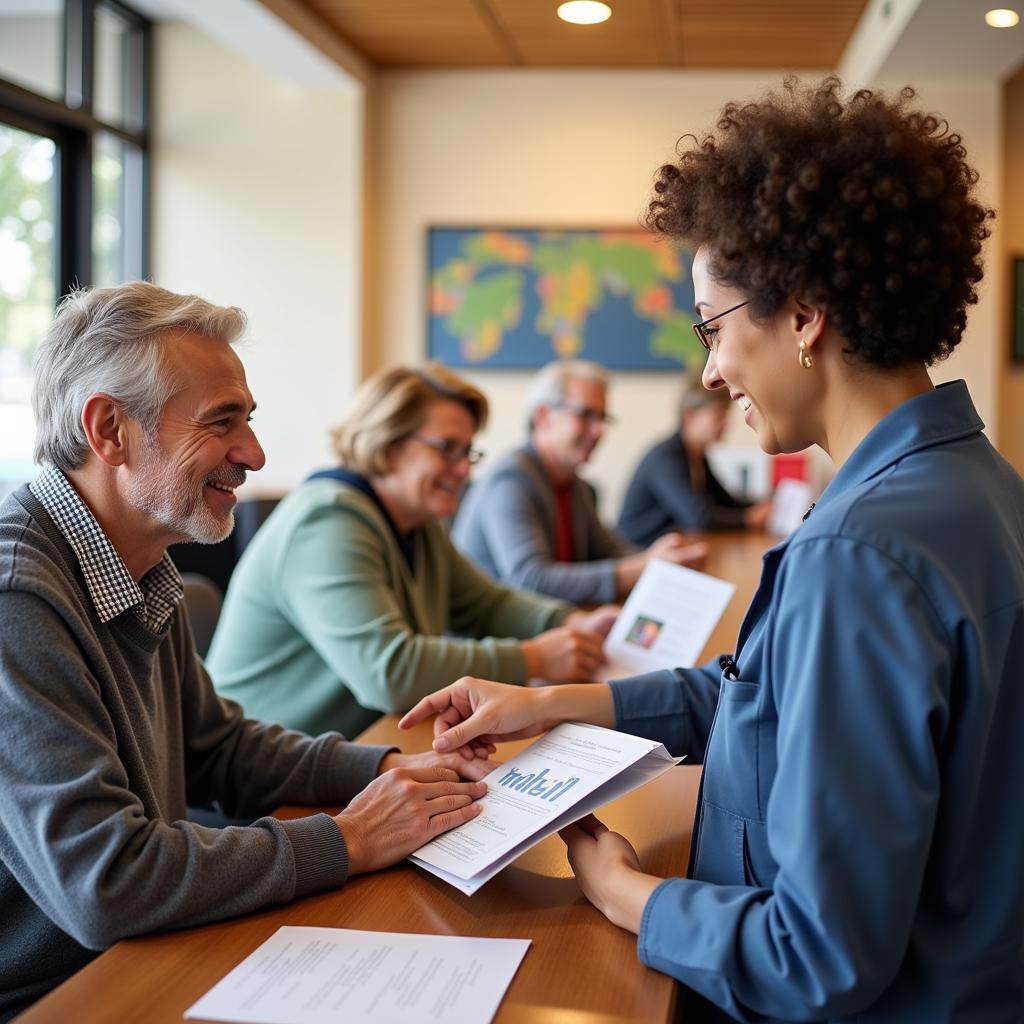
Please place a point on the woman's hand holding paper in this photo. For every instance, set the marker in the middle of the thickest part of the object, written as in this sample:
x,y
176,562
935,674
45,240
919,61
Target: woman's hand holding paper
x,y
608,870
598,620
564,655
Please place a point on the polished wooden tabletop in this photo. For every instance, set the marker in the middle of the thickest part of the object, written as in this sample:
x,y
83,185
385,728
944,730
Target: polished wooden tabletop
x,y
580,967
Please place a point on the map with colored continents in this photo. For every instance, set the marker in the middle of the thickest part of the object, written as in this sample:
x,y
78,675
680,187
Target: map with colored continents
x,y
518,299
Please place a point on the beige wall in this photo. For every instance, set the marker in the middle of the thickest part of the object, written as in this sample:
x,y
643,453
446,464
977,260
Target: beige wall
x,y
1011,389
580,148
256,203
973,107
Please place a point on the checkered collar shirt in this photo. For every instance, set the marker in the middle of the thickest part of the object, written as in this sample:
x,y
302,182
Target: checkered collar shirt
x,y
111,586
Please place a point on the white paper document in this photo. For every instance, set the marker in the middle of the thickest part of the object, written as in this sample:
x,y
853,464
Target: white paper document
x,y
666,620
321,975
559,778
789,503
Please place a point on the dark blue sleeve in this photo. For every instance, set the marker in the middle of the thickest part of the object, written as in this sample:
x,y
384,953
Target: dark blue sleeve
x,y
675,707
664,478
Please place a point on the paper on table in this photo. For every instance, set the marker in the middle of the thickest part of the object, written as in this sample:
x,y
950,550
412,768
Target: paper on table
x,y
320,975
666,620
564,775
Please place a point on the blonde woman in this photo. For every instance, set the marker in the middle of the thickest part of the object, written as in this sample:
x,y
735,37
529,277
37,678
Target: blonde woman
x,y
351,602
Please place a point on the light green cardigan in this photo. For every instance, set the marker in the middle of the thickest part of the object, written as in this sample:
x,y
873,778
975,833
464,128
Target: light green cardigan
x,y
324,626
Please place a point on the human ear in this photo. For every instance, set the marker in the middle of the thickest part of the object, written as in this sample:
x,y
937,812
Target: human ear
x,y
808,323
106,429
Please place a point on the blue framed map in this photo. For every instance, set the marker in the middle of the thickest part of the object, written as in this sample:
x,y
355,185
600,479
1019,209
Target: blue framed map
x,y
511,298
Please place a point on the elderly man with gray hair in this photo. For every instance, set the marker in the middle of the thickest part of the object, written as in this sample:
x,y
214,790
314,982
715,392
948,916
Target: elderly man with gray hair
x,y
532,521
110,723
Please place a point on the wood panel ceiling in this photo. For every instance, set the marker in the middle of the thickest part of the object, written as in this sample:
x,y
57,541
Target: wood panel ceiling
x,y
640,33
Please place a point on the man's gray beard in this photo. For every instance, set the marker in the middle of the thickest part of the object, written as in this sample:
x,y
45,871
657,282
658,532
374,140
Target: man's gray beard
x,y
178,508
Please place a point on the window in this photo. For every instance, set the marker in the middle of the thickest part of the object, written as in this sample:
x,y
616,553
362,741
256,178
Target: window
x,y
74,119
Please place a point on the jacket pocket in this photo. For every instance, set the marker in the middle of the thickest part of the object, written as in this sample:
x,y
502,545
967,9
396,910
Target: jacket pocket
x,y
759,867
731,761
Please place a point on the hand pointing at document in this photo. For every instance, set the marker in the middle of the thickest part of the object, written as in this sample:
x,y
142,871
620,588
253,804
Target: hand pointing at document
x,y
474,710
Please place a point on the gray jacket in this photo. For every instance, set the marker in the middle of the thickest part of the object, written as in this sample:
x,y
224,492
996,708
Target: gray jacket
x,y
507,526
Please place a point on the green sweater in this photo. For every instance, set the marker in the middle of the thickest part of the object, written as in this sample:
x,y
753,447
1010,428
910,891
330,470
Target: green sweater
x,y
325,627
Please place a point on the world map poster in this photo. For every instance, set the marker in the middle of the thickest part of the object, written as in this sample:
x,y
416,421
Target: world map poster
x,y
517,299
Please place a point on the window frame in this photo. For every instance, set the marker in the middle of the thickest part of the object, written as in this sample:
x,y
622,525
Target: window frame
x,y
72,124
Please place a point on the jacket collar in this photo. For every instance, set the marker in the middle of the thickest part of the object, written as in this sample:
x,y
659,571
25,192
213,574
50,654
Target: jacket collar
x,y
944,414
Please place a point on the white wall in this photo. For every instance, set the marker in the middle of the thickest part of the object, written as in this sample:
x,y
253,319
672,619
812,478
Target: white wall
x,y
256,203
578,148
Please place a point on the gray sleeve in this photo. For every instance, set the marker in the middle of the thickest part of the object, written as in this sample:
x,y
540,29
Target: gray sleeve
x,y
222,746
91,849
523,551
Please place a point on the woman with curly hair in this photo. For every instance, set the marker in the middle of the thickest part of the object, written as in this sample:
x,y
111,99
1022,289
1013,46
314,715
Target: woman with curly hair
x,y
859,841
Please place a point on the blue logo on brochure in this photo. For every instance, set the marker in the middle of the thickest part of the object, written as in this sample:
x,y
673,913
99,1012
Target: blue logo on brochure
x,y
537,784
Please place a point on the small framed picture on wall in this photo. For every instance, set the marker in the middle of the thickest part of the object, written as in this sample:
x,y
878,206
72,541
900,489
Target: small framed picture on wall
x,y
1017,319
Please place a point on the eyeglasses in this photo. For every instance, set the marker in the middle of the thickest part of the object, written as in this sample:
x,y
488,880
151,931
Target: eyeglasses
x,y
584,412
705,336
451,451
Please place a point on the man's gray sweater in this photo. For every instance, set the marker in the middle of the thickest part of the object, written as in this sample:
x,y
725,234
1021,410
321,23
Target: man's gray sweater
x,y
106,732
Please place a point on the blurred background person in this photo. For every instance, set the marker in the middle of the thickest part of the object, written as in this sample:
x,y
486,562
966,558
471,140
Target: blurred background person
x,y
674,487
532,521
351,601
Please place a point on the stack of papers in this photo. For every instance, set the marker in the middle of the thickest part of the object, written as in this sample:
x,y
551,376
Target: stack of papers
x,y
321,975
666,620
564,775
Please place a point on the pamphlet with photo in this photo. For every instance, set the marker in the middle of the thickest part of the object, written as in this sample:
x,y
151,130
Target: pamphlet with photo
x,y
666,620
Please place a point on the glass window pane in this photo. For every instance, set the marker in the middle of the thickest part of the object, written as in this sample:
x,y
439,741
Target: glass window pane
x,y
118,95
116,211
31,45
28,253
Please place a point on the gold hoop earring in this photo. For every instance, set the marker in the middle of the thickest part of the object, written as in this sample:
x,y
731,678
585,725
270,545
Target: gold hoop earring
x,y
805,357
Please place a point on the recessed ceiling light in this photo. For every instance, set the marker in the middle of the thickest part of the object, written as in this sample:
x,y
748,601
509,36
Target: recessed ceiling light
x,y
1001,18
584,12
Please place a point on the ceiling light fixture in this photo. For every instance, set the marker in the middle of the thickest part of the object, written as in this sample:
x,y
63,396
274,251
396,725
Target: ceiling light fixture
x,y
584,12
1001,18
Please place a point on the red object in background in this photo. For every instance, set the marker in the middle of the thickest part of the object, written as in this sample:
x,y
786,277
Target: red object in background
x,y
793,467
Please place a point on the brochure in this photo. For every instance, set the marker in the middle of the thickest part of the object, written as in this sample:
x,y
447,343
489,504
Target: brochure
x,y
564,775
666,620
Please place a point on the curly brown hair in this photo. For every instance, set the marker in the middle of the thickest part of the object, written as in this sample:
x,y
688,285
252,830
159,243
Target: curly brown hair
x,y
862,207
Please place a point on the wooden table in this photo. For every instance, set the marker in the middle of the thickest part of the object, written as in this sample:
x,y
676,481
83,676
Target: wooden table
x,y
580,969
